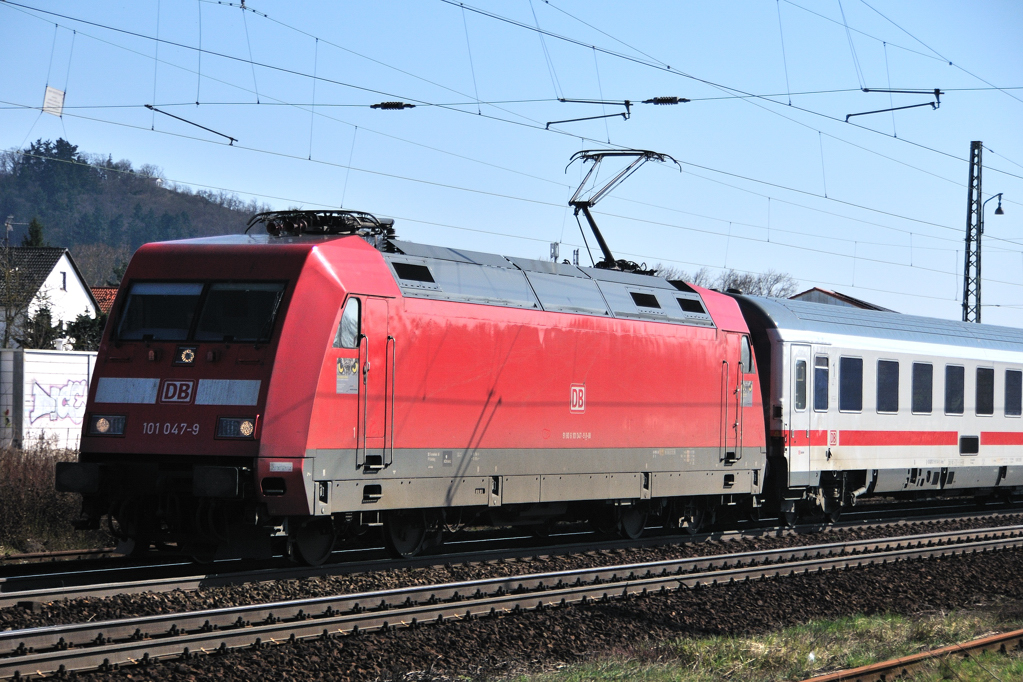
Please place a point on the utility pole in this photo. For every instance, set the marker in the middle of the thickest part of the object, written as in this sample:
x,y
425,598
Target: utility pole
x,y
974,230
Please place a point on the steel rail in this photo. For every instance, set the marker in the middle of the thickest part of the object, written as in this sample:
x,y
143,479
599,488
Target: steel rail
x,y
880,672
86,646
96,584
60,555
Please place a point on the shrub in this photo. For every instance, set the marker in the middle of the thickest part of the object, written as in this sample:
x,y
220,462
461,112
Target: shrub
x,y
33,515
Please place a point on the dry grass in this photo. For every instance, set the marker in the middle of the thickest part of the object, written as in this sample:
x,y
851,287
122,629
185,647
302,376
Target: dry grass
x,y
805,651
33,515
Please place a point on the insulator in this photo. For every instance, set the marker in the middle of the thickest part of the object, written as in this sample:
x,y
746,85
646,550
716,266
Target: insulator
x,y
666,100
392,105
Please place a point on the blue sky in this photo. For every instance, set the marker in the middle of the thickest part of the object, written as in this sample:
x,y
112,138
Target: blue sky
x,y
875,208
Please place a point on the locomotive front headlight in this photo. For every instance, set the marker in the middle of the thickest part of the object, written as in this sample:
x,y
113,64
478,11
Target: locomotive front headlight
x,y
106,425
236,427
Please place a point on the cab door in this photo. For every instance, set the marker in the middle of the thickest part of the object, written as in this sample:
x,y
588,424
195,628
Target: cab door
x,y
377,383
797,436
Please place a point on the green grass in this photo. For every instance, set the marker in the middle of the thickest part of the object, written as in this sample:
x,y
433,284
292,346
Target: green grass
x,y
805,651
33,515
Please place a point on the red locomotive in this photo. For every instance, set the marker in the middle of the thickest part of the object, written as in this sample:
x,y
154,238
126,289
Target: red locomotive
x,y
325,377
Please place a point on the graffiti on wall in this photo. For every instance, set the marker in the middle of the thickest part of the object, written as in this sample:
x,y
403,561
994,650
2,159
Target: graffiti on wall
x,y
66,401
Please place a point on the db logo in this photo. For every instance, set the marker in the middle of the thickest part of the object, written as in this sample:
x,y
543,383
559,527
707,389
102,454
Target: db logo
x,y
177,391
832,437
577,401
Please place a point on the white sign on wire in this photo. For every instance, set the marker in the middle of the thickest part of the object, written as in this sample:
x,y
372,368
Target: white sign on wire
x,y
53,101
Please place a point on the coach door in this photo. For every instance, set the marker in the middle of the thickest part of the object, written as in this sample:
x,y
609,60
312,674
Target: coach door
x,y
377,385
797,436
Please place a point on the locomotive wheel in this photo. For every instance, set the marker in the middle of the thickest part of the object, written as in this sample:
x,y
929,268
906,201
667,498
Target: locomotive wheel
x,y
693,517
404,533
631,522
314,540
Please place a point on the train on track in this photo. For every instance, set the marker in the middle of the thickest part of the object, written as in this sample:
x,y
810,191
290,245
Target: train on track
x,y
292,390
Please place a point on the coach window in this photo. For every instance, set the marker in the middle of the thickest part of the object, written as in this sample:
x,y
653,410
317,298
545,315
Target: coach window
x,y
348,331
820,383
923,391
746,357
1013,393
850,384
887,386
955,377
800,385
985,391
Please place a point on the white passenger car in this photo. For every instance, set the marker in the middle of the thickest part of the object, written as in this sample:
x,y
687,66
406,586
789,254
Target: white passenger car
x,y
861,402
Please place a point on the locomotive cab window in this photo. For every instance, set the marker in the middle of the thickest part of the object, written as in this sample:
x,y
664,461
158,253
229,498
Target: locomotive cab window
x,y
348,330
800,388
239,311
955,379
887,386
985,391
1013,393
850,384
820,383
159,311
230,311
746,357
923,382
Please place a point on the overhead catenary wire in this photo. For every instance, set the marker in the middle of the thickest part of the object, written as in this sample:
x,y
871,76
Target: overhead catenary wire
x,y
199,139
472,69
444,151
547,56
535,124
488,232
855,257
349,85
784,59
943,57
156,59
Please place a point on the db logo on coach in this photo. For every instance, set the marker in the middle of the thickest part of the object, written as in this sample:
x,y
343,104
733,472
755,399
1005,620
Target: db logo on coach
x,y
577,402
177,391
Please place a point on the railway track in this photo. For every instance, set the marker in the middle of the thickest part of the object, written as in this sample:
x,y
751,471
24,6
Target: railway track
x,y
900,667
62,555
133,641
81,580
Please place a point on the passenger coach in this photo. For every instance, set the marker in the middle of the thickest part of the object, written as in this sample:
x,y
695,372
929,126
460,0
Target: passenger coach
x,y
862,402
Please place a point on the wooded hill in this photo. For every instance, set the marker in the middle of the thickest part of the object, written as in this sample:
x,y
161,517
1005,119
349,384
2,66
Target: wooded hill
x,y
103,209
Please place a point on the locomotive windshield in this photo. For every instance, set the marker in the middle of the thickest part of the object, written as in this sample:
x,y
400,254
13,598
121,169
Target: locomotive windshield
x,y
219,312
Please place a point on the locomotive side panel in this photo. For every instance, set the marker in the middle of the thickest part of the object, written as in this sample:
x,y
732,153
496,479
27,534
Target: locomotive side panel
x,y
494,406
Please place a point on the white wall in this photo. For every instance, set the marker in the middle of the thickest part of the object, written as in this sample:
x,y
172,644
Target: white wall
x,y
43,395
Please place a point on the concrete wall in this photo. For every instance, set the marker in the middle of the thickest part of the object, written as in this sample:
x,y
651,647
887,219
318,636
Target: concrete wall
x,y
43,395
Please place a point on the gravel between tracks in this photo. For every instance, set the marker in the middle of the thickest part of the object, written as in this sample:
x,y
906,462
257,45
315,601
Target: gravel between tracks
x,y
132,605
496,647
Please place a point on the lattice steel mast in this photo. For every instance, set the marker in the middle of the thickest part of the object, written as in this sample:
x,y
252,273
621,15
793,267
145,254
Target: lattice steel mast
x,y
974,230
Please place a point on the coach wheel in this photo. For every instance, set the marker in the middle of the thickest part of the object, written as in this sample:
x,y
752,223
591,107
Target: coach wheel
x,y
790,517
314,540
404,533
631,522
693,517
541,531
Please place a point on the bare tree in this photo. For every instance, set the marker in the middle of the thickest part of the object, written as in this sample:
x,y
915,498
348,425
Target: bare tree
x,y
701,278
771,283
